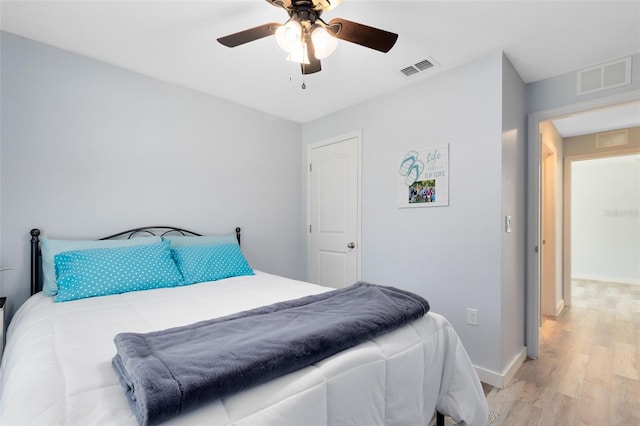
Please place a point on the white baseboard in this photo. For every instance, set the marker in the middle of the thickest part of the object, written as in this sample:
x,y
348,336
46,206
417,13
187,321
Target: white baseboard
x,y
559,307
501,380
621,280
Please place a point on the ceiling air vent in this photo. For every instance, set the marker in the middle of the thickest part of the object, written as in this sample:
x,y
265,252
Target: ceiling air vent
x,y
615,138
409,71
423,65
605,76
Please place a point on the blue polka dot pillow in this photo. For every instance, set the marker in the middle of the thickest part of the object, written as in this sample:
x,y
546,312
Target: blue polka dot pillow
x,y
99,272
213,262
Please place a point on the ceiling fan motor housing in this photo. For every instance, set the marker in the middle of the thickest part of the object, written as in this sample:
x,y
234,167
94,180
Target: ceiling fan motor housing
x,y
303,11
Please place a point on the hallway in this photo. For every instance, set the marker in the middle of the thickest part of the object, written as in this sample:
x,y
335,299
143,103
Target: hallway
x,y
588,372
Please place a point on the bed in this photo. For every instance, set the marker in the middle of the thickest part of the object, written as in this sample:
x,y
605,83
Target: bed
x,y
57,368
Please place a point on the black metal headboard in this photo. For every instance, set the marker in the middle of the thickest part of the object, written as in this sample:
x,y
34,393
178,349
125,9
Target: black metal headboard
x,y
161,231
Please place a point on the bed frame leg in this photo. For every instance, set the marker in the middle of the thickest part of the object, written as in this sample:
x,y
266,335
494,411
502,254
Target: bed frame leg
x,y
439,419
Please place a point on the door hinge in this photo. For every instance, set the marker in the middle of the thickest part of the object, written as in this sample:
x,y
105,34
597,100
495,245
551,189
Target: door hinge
x,y
310,167
309,228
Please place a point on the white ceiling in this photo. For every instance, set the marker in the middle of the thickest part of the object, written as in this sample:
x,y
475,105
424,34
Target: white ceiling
x,y
175,41
601,120
618,159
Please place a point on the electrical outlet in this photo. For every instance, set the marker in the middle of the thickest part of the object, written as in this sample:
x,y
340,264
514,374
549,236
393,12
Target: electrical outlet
x,y
472,316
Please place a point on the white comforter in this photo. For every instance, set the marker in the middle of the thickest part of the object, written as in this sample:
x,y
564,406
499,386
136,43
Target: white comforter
x,y
56,369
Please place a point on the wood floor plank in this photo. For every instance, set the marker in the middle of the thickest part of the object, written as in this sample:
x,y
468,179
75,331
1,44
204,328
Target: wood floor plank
x,y
593,411
625,361
590,320
535,394
599,366
624,332
502,402
635,319
560,411
625,401
522,414
573,375
624,309
540,371
593,391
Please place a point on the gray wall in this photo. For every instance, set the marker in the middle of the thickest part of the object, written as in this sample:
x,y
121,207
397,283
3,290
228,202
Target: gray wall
x,y
451,255
89,149
514,205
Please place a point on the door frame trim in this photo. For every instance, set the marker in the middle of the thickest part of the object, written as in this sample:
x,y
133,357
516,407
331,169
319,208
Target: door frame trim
x,y
337,139
548,209
532,318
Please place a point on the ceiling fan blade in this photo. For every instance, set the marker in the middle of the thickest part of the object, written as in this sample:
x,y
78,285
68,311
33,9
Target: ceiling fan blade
x,y
242,37
312,67
325,5
364,35
285,4
314,63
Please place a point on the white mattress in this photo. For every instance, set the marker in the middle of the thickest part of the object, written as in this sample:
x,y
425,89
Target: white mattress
x,y
56,369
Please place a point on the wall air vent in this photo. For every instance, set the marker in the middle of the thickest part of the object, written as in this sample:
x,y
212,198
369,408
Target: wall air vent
x,y
605,76
615,138
422,65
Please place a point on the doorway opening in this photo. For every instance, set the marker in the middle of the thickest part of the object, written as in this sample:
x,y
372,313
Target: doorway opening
x,y
535,290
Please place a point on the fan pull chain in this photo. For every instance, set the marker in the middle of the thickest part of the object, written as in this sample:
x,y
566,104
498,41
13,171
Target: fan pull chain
x,y
304,85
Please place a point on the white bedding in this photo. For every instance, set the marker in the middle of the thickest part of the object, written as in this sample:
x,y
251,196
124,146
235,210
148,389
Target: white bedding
x,y
56,369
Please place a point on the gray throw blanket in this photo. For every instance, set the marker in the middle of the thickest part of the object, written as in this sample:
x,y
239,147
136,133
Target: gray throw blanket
x,y
168,372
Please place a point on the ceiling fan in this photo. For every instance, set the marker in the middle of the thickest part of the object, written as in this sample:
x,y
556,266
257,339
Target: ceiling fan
x,y
307,38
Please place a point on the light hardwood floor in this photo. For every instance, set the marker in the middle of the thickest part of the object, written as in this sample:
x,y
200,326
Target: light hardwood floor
x,y
588,371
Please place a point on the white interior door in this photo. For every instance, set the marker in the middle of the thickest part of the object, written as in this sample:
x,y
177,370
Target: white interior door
x,y
334,211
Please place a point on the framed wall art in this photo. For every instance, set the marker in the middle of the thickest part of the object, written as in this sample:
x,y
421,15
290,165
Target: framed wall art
x,y
423,177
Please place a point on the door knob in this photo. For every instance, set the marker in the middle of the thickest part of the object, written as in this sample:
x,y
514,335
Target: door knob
x,y
351,245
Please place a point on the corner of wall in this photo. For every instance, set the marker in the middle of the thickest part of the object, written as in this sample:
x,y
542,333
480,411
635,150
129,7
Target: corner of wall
x,y
513,206
502,380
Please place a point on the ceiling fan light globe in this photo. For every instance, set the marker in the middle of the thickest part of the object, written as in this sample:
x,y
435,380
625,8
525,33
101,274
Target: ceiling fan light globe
x,y
323,43
299,54
289,35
